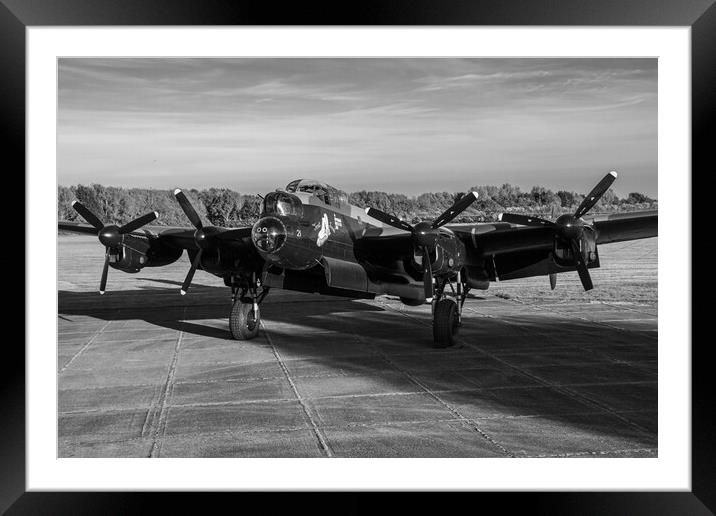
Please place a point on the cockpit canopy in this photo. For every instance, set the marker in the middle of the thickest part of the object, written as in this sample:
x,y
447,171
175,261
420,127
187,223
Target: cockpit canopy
x,y
282,203
326,193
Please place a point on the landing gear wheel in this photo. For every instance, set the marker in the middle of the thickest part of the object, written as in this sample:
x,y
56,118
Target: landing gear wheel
x,y
445,323
243,322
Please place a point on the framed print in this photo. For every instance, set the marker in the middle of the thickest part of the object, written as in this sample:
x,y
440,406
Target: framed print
x,y
449,150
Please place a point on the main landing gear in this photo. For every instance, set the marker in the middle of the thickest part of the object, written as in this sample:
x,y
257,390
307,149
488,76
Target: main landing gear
x,y
447,310
245,316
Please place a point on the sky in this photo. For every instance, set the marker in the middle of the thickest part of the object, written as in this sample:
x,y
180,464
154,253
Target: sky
x,y
407,125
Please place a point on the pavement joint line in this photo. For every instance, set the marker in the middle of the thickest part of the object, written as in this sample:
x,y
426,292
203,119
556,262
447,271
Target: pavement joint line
x,y
161,425
595,453
578,397
651,319
83,348
322,442
437,398
593,350
290,429
626,307
637,364
572,314
349,396
109,410
597,351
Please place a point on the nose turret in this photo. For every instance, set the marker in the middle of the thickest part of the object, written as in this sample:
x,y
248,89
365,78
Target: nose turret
x,y
269,234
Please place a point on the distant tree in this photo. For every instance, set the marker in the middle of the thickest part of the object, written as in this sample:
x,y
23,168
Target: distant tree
x,y
222,206
566,198
638,198
607,202
508,195
250,209
65,196
544,197
225,207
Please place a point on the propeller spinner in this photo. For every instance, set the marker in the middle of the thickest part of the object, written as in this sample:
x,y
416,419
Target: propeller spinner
x,y
425,234
110,235
569,227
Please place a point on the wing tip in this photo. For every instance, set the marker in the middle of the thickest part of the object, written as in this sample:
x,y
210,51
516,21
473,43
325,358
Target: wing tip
x,y
156,214
182,292
475,194
101,292
499,216
177,191
613,173
74,202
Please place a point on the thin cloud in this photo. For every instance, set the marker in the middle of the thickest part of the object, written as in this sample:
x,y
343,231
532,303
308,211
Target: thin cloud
x,y
391,124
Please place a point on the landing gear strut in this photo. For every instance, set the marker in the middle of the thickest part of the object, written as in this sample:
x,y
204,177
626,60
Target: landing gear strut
x,y
447,310
245,316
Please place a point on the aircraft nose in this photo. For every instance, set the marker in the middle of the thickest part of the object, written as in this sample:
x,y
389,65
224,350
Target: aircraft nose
x,y
269,234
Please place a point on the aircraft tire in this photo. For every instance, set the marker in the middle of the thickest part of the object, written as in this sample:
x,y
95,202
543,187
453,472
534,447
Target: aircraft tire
x,y
242,323
445,323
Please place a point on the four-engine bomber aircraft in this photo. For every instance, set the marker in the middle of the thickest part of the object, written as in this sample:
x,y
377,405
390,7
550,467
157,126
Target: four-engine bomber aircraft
x,y
310,239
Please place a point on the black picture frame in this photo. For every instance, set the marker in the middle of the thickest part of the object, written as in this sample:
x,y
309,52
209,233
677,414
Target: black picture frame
x,y
17,15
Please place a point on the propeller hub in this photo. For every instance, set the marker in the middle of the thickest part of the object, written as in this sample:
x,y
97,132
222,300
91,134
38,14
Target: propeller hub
x,y
425,234
110,236
570,227
201,238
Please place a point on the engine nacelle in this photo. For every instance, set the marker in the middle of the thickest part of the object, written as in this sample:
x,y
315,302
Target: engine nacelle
x,y
131,255
135,253
563,254
448,256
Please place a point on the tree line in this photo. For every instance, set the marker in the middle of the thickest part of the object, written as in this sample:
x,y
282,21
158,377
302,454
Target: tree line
x,y
227,208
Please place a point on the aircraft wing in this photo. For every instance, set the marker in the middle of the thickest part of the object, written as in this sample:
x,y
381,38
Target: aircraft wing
x,y
181,237
76,227
501,238
510,238
226,237
146,231
622,228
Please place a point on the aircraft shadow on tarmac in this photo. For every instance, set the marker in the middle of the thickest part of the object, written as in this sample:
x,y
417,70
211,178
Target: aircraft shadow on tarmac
x,y
580,389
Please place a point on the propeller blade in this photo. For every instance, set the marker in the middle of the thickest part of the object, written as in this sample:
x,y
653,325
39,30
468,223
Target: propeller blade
x,y
456,209
427,276
87,215
138,223
552,281
190,275
76,228
524,220
103,281
388,219
581,266
188,209
596,194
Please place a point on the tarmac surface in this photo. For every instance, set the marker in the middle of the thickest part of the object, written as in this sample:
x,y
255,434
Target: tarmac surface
x,y
145,372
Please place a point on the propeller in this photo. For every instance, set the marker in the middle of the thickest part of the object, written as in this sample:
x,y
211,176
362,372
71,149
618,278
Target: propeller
x,y
111,236
425,234
569,227
201,236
